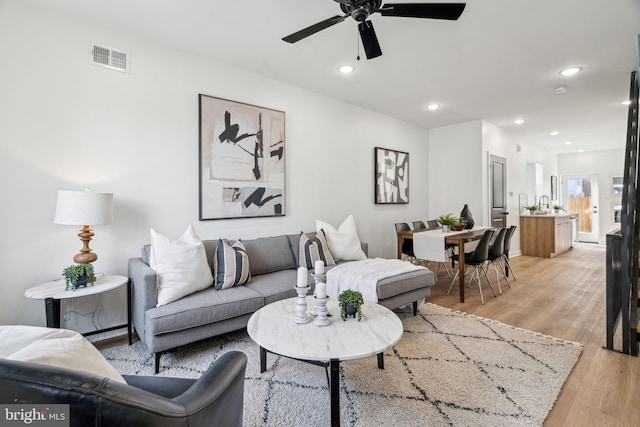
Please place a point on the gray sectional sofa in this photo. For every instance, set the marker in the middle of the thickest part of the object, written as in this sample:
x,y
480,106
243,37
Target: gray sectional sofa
x,y
210,312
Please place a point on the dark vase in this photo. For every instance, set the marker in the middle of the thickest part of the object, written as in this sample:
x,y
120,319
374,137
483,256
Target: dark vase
x,y
466,214
350,311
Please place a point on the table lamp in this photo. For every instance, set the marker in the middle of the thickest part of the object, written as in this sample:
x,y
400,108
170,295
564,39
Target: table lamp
x,y
84,208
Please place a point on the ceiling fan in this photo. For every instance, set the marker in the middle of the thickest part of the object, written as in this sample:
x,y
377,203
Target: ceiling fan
x,y
360,10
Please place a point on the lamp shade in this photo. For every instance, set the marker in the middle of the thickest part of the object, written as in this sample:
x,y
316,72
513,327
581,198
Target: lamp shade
x,y
84,208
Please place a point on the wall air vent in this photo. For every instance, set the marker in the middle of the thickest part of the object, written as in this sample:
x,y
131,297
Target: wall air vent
x,y
108,57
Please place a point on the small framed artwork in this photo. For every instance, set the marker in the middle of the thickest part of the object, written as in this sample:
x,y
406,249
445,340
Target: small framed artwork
x,y
554,187
391,176
242,160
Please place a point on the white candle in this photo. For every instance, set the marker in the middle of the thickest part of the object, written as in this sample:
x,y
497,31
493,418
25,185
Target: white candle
x,y
302,278
321,290
319,267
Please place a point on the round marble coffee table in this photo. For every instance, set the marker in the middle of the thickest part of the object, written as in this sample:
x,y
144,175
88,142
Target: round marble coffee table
x,y
273,328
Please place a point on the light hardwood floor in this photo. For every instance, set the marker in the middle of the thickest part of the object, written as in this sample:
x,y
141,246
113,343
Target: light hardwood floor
x,y
564,297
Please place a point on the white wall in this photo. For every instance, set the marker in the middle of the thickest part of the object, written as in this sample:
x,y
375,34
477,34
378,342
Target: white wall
x,y
604,164
455,167
65,124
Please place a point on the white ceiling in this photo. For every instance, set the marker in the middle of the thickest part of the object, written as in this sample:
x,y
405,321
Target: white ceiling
x,y
498,62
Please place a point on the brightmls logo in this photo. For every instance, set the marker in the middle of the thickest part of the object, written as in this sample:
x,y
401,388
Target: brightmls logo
x,y
34,415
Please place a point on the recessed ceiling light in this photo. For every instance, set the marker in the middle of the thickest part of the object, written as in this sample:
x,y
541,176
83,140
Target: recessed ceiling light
x,y
627,102
568,142
559,90
518,121
570,71
554,133
433,107
346,69
580,151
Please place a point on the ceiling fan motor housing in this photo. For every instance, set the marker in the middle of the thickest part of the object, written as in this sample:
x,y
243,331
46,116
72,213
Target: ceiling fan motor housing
x,y
360,10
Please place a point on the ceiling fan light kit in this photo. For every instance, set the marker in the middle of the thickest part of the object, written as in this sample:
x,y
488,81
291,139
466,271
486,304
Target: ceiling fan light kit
x,y
360,10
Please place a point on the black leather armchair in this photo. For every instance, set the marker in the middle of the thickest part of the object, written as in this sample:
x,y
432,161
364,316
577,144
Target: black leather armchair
x,y
215,399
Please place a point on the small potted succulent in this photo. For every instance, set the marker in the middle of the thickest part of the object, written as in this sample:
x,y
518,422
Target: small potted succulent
x,y
350,304
558,208
78,276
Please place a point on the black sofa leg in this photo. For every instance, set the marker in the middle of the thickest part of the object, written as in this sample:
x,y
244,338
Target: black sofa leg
x,y
157,357
415,309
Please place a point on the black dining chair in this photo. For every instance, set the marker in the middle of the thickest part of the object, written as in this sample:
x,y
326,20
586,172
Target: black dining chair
x,y
433,223
495,257
419,225
477,259
507,246
407,244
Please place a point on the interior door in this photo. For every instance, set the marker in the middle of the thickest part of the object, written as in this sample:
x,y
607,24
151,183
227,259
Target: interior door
x,y
498,193
580,195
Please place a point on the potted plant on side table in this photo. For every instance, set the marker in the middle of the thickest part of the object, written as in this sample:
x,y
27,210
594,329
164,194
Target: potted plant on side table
x,y
350,303
78,276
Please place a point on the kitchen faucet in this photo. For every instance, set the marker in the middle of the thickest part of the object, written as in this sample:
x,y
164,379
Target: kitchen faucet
x,y
546,200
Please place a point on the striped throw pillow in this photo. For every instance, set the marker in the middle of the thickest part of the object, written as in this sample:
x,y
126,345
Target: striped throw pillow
x,y
231,264
313,249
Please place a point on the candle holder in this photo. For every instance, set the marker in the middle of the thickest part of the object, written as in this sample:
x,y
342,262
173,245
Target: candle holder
x,y
317,278
321,311
301,306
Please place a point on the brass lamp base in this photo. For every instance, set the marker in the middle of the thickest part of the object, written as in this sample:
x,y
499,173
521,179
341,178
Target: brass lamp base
x,y
85,256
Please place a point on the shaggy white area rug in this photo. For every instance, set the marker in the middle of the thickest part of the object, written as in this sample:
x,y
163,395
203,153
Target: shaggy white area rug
x,y
449,368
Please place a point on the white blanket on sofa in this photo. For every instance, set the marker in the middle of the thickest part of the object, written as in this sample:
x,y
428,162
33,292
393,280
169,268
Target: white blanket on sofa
x,y
364,275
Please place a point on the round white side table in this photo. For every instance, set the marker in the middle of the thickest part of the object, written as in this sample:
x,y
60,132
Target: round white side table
x,y
54,291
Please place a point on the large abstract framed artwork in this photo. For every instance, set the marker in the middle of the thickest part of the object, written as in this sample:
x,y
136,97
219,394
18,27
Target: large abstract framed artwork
x,y
391,176
242,160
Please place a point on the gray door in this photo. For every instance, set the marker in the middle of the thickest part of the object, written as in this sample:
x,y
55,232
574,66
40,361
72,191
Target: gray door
x,y
498,193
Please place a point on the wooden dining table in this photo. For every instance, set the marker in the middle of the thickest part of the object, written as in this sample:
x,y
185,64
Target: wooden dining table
x,y
458,239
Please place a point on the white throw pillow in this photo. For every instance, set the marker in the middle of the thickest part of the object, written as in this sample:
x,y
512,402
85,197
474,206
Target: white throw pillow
x,y
344,243
180,264
54,347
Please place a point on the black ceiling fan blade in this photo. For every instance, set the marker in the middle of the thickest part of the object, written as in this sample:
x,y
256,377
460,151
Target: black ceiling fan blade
x,y
311,30
450,11
369,40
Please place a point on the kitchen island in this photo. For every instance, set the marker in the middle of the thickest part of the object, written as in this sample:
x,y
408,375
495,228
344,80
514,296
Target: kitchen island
x,y
545,235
